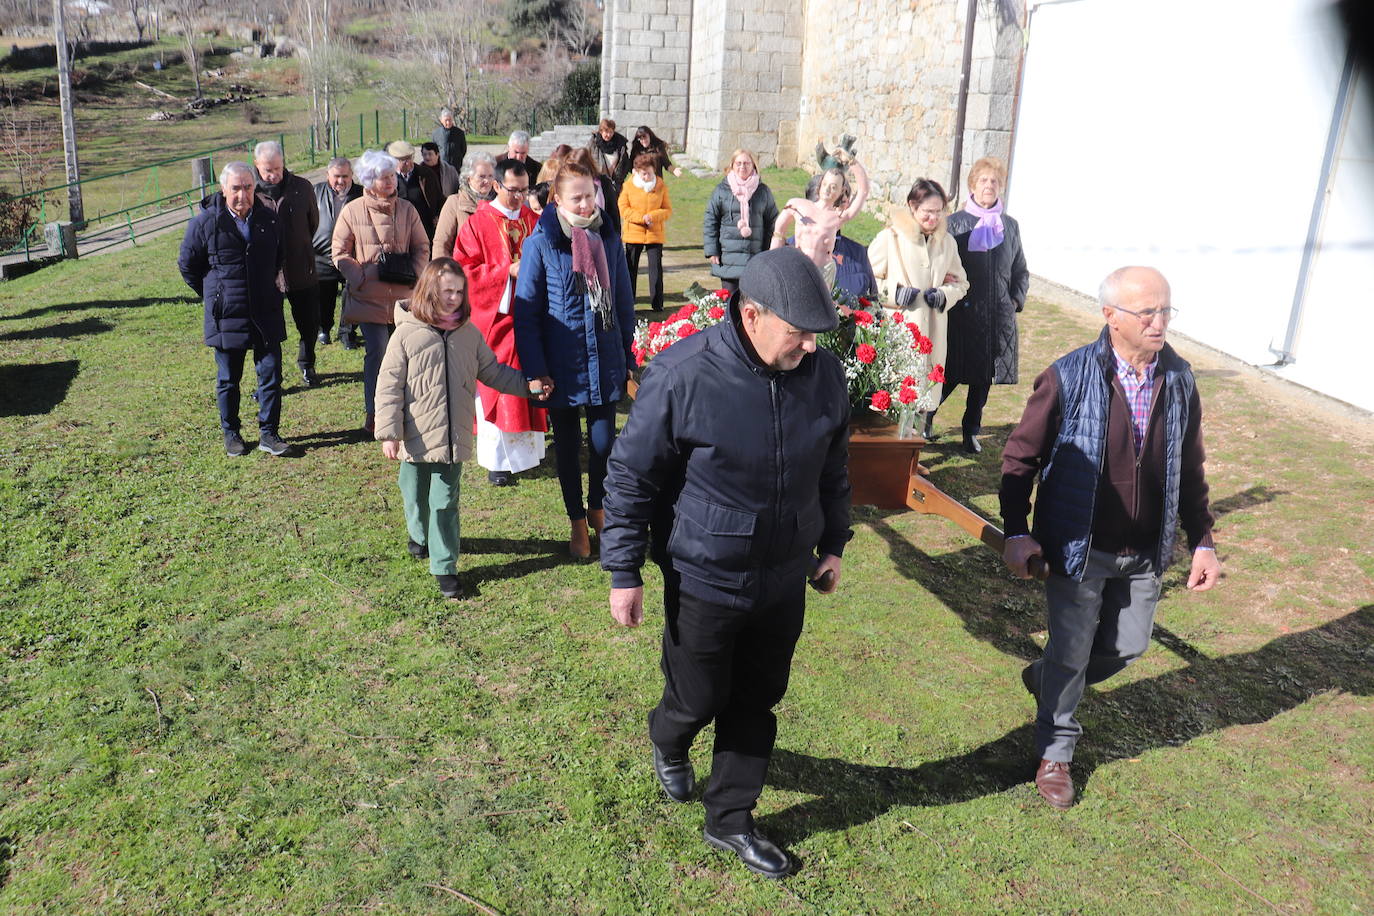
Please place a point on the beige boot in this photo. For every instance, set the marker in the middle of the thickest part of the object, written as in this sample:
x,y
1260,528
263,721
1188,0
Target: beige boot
x,y
580,545
597,519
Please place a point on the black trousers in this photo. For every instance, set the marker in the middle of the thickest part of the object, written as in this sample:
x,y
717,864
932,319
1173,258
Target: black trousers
x,y
974,403
726,283
305,311
632,253
731,666
329,294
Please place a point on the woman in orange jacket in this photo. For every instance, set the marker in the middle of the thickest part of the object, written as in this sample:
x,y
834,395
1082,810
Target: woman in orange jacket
x,y
644,211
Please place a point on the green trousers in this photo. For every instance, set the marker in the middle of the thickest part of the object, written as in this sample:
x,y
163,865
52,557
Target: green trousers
x,y
430,493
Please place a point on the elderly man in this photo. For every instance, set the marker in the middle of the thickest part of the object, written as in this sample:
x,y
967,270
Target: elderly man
x,y
231,256
331,196
293,200
735,505
518,148
450,139
416,183
1113,435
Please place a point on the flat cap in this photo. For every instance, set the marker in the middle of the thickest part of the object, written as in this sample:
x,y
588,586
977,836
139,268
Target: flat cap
x,y
400,149
785,282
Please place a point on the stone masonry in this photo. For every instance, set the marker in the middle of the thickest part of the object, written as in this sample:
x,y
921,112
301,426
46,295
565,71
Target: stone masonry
x,y
776,76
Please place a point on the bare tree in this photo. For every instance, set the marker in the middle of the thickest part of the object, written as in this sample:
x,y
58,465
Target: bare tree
x,y
452,39
332,69
138,12
581,32
185,14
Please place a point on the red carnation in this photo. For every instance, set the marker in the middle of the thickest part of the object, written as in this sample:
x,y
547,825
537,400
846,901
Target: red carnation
x,y
685,312
937,375
686,330
881,400
909,382
907,395
925,344
655,327
716,313
865,303
898,318
862,317
723,294
865,353
640,355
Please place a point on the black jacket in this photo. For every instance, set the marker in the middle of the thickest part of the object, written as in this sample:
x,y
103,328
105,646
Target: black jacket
x,y
424,192
612,154
324,233
737,474
720,234
982,339
452,143
237,279
298,217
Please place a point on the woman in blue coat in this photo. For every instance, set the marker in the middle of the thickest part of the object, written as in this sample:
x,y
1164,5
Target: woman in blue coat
x,y
574,327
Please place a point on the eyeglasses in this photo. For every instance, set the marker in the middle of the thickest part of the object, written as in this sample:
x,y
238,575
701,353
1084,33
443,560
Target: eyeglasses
x,y
518,192
1147,316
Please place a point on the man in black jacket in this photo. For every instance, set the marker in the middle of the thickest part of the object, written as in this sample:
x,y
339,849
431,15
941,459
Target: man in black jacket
x,y
734,504
417,183
293,200
452,142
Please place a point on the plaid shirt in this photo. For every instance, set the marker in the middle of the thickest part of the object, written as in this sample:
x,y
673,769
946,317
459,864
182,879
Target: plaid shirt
x,y
1138,391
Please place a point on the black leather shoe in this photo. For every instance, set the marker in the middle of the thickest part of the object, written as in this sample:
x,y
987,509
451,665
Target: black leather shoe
x,y
451,586
500,478
322,339
972,445
675,775
309,379
418,551
928,432
758,853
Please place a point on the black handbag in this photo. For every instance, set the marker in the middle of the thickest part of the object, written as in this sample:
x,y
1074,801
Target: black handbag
x,y
396,267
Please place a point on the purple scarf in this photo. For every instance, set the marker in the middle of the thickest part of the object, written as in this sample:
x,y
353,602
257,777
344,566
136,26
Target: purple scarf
x,y
987,235
589,262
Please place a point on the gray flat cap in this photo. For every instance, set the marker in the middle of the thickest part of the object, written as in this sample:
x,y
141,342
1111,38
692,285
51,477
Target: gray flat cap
x,y
785,282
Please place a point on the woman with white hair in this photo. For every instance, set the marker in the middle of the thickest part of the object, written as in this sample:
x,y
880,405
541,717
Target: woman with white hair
x,y
480,186
380,247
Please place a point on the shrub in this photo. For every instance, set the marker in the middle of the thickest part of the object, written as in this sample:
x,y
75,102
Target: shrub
x,y
252,112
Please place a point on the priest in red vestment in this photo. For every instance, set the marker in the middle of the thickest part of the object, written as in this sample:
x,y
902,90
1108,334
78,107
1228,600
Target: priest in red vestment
x,y
510,430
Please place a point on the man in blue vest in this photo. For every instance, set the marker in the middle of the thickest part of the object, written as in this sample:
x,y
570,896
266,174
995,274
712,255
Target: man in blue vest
x,y
1113,435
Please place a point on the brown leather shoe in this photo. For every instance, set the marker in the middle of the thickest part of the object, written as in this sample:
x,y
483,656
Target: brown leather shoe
x,y
579,544
597,519
1054,783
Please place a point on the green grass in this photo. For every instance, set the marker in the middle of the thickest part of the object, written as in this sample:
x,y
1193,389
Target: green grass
x,y
334,738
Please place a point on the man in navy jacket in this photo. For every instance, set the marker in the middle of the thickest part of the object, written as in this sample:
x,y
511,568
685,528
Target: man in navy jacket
x,y
232,257
731,473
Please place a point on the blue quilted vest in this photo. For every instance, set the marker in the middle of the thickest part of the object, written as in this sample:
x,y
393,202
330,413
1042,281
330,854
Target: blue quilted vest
x,y
1067,496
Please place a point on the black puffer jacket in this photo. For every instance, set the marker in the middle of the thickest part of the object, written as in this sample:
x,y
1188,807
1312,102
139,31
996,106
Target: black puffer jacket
x,y
720,229
736,499
983,344
237,279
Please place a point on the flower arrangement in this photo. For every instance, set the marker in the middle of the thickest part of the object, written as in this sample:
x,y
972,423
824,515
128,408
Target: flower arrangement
x,y
886,359
703,309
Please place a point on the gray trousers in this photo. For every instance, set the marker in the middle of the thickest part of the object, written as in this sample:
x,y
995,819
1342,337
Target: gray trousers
x,y
1097,627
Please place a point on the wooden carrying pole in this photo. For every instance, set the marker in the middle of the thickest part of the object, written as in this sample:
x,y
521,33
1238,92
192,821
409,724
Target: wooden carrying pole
x,y
930,499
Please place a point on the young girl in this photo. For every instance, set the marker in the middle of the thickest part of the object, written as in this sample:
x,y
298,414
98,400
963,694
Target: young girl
x,y
644,210
425,409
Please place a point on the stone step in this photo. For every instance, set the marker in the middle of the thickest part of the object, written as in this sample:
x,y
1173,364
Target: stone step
x,y
571,134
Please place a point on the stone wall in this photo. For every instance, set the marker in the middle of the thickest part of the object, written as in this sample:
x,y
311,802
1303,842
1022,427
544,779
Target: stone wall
x,y
645,68
775,76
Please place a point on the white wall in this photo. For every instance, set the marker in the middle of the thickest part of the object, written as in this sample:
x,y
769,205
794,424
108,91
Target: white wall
x,y
1189,135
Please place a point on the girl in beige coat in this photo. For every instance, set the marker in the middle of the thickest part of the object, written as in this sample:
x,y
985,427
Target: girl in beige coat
x,y
376,222
917,265
425,409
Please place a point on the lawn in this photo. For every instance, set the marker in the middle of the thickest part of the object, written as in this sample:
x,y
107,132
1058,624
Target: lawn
x,y
227,689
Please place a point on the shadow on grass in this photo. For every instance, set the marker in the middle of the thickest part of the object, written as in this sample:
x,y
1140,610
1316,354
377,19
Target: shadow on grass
x,y
63,330
33,389
98,304
1205,696
331,439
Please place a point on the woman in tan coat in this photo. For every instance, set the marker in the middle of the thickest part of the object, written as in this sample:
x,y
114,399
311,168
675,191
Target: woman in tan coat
x,y
426,405
917,265
459,206
376,222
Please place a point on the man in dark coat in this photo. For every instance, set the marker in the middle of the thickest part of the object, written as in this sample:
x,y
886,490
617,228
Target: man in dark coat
x,y
231,256
331,195
1112,437
298,216
739,508
452,142
417,183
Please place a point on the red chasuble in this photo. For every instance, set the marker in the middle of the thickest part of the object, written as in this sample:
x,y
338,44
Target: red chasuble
x,y
488,243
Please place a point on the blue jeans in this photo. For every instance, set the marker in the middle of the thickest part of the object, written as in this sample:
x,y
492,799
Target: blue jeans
x,y
229,370
567,447
1097,627
375,338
